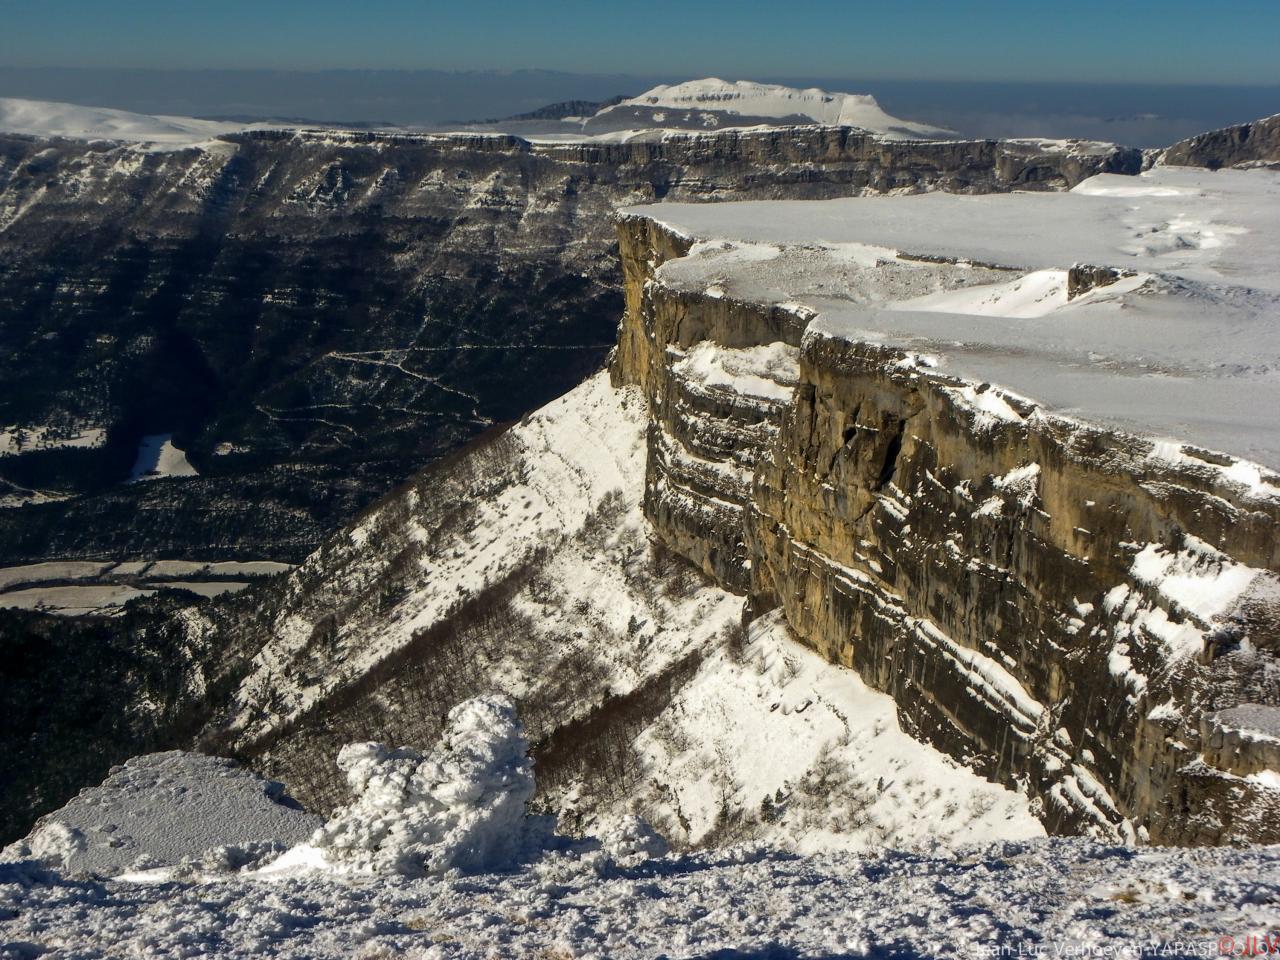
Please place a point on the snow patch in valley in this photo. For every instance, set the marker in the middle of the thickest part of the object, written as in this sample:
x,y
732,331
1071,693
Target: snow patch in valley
x,y
158,458
15,440
83,587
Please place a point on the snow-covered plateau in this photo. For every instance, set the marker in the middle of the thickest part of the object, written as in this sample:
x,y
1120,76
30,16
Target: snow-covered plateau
x,y
1184,344
711,104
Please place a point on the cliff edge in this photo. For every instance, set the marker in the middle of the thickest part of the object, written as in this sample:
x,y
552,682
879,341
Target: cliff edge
x,y
930,431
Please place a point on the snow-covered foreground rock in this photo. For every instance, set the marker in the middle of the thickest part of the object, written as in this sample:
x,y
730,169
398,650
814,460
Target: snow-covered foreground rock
x,y
463,807
1051,898
438,856
164,809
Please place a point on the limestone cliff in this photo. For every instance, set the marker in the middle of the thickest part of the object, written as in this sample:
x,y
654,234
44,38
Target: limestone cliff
x,y
1246,144
1000,577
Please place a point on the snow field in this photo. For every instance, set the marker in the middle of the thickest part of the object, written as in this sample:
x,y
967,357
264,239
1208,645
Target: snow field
x,y
1047,897
1185,347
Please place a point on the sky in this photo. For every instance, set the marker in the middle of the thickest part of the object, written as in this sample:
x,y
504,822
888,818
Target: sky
x,y
1119,41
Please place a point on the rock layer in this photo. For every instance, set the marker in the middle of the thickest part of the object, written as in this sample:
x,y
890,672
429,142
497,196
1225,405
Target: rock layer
x,y
1001,578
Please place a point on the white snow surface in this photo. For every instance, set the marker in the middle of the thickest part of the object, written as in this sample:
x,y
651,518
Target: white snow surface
x,y
813,758
1033,898
769,371
161,809
158,458
1187,348
41,118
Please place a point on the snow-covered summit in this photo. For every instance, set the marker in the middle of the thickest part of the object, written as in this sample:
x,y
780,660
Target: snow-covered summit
x,y
713,103
42,118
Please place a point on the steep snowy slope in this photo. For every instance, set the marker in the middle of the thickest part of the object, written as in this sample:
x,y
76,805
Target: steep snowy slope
x,y
526,567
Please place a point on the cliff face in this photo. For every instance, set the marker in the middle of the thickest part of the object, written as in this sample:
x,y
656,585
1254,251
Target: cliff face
x,y
1002,577
1247,144
313,316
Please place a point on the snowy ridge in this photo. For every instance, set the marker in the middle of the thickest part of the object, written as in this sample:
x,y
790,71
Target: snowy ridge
x,y
40,118
581,449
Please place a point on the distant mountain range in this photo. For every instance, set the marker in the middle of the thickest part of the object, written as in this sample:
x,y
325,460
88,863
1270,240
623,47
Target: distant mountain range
x,y
703,105
1143,115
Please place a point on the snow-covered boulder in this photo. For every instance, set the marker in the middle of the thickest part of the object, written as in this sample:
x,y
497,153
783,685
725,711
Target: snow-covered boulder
x,y
631,839
461,806
163,809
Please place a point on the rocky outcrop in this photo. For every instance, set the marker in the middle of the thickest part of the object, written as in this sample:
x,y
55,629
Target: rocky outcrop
x,y
1023,585
1244,145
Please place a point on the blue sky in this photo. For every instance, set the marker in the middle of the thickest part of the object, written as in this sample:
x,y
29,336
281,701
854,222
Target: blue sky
x,y
1170,41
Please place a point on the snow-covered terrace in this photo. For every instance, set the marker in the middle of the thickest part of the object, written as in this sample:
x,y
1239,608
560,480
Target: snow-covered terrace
x,y
1187,348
